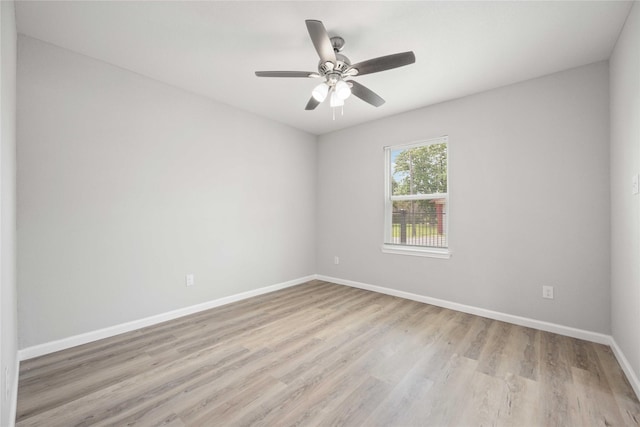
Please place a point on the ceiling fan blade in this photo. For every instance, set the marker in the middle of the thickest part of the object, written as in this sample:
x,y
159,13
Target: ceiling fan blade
x,y
312,104
383,63
286,74
321,40
366,94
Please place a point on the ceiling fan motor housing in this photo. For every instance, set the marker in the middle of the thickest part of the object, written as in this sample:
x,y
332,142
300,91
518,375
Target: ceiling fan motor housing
x,y
341,65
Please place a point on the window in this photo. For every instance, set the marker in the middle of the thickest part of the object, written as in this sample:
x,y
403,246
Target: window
x,y
417,199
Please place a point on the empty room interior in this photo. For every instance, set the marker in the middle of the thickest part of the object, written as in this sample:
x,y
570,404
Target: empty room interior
x,y
320,213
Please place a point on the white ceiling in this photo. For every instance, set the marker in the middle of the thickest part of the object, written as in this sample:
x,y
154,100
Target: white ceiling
x,y
213,48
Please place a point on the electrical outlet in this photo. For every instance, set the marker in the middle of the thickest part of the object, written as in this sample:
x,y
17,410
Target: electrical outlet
x,y
336,260
547,292
635,184
190,280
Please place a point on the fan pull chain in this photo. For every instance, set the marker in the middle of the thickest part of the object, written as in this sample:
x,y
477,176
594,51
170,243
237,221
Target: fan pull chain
x,y
333,111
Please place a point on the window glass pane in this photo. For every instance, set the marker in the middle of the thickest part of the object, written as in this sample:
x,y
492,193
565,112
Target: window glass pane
x,y
419,170
419,223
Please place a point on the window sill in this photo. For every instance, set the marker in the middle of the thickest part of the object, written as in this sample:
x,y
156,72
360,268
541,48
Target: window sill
x,y
416,251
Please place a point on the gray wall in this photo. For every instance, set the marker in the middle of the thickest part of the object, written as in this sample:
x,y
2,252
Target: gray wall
x,y
8,309
126,184
625,216
529,200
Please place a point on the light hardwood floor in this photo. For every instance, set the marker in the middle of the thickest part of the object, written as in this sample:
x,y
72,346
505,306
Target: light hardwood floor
x,y
325,354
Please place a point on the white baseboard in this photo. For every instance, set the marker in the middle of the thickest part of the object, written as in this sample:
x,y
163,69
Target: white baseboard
x,y
496,315
62,344
626,366
13,399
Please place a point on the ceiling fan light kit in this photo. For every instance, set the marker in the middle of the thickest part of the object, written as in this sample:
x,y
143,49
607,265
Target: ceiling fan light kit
x,y
336,101
342,90
320,92
335,68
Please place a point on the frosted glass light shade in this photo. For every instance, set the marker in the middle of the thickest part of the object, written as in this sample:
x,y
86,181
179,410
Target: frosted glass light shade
x,y
343,91
319,92
336,101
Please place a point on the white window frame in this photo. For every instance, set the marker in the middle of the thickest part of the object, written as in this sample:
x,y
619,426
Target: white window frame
x,y
389,198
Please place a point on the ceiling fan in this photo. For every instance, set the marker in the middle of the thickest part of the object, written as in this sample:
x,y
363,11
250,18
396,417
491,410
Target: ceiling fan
x,y
335,69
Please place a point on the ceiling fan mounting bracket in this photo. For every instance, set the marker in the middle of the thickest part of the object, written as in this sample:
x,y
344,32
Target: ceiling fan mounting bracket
x,y
337,43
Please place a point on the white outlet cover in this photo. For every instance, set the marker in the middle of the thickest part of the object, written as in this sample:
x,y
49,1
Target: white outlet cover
x,y
190,280
635,184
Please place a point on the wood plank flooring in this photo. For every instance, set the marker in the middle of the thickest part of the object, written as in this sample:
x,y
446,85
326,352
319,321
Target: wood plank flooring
x,y
325,354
